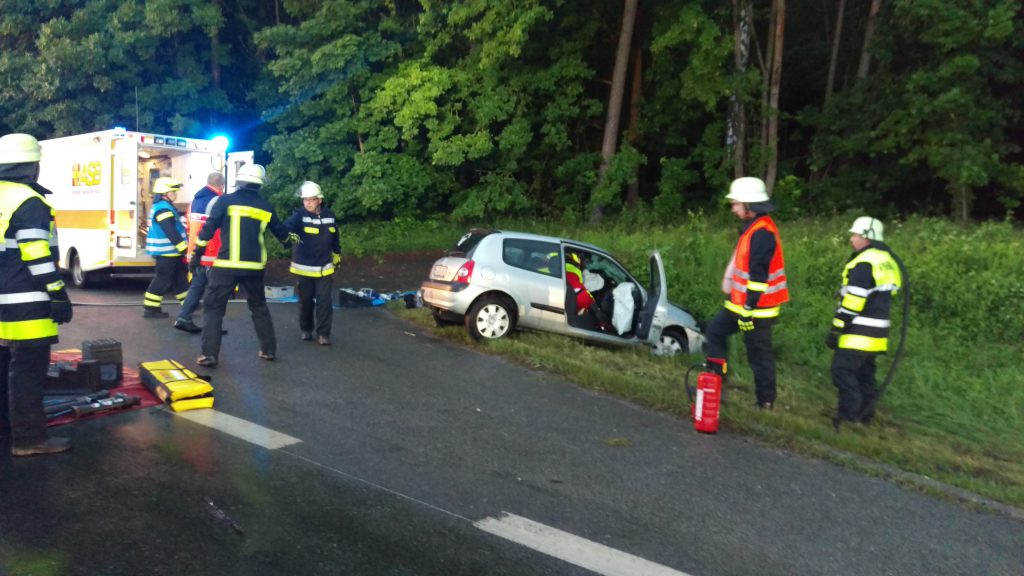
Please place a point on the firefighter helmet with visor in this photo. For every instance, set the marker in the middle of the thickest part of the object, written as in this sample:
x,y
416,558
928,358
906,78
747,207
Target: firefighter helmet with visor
x,y
19,149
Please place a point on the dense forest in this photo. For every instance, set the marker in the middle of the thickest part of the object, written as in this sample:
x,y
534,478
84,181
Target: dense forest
x,y
571,108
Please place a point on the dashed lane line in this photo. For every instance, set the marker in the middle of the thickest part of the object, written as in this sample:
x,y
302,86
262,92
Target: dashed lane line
x,y
571,548
243,429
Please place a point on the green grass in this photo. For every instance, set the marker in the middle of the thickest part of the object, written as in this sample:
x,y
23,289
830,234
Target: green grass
x,y
955,411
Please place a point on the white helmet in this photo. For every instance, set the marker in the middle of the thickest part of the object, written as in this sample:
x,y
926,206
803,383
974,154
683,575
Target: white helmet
x,y
868,227
310,190
253,174
747,190
165,185
19,149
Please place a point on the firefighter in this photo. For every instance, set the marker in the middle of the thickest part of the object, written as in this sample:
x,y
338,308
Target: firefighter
x,y
198,211
860,328
166,242
243,217
755,282
33,300
314,259
582,297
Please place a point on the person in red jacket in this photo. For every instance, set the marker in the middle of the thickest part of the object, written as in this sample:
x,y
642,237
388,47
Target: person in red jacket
x,y
198,212
756,284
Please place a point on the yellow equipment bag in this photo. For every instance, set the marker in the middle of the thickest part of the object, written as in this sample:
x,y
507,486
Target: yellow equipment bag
x,y
176,385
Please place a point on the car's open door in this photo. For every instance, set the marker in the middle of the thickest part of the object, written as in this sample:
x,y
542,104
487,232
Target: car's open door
x,y
652,317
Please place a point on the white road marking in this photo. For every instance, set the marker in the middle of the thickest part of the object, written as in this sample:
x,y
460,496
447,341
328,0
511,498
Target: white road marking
x,y
248,431
571,548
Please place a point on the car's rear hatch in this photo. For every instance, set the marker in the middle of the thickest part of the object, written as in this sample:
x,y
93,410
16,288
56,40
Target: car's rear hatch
x,y
456,257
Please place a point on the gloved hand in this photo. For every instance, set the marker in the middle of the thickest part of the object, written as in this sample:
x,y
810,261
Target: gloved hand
x,y
196,260
832,339
60,307
746,322
336,258
291,240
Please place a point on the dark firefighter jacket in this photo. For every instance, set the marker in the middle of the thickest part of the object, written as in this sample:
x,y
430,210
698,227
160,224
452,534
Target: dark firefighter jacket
x,y
870,278
242,217
313,256
28,265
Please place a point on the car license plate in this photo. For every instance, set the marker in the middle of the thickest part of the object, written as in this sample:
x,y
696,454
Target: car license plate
x,y
439,272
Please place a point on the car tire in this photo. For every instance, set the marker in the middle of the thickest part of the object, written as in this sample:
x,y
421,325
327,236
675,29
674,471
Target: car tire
x,y
442,318
490,318
674,342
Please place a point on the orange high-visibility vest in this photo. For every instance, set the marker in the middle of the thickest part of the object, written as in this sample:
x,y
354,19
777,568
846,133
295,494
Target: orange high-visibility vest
x,y
775,290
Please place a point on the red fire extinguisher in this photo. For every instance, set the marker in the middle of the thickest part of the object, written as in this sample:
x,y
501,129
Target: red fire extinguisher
x,y
706,398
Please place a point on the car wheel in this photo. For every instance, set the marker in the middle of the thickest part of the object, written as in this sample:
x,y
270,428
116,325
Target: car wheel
x,y
490,318
441,318
673,342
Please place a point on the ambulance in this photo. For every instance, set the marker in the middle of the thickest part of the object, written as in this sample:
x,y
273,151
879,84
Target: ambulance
x,y
101,185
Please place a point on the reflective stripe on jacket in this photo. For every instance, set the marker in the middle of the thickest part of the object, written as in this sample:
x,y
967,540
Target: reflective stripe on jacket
x,y
313,256
772,289
870,279
166,236
28,266
242,218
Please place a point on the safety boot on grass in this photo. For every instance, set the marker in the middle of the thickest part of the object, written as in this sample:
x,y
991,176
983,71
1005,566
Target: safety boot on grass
x,y
54,445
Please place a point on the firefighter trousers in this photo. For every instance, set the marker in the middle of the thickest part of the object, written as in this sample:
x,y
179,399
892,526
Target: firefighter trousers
x,y
316,304
222,282
759,349
22,372
171,274
853,373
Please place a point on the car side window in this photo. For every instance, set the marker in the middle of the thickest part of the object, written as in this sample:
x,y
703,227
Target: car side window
x,y
607,268
533,255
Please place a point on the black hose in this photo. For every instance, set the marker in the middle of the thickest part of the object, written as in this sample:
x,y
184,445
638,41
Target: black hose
x,y
904,327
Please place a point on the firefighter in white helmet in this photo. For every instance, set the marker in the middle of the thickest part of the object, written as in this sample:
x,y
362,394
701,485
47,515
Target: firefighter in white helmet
x,y
33,300
756,286
166,242
860,327
314,259
242,216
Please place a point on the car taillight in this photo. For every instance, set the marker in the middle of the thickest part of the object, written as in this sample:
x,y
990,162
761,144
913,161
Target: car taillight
x,y
464,273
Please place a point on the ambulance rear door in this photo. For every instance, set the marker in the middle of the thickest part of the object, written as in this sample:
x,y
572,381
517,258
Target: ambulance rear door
x,y
126,204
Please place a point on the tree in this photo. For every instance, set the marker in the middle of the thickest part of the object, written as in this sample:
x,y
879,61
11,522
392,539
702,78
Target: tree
x,y
618,87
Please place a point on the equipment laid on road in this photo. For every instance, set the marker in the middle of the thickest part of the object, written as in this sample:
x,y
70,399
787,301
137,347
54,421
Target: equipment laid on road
x,y
90,404
73,378
179,387
706,397
107,352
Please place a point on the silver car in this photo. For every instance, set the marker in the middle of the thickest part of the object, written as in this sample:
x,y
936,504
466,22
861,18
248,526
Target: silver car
x,y
494,281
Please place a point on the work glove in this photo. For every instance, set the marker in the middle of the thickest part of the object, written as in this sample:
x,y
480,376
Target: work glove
x,y
336,258
60,307
197,258
832,339
291,240
746,322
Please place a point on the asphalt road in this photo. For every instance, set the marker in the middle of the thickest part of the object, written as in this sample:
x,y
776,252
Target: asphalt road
x,y
415,457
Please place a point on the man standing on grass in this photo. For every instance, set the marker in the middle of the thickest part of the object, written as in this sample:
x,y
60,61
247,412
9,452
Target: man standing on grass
x,y
755,282
860,328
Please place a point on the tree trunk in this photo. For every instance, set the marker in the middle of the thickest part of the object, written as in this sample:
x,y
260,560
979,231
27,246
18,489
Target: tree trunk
x,y
869,33
737,136
830,84
611,125
779,12
633,134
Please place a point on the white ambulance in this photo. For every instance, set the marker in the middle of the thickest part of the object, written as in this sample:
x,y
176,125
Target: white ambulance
x,y
101,182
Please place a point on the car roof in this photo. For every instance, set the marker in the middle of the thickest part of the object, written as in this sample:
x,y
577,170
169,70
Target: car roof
x,y
555,239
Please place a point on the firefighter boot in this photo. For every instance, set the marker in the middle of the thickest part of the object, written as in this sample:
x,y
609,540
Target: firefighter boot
x,y
150,312
53,445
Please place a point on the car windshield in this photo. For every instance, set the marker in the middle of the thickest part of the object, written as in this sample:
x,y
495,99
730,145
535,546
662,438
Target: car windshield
x,y
468,242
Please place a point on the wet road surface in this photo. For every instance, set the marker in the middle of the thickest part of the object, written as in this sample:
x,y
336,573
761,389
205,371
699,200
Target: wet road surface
x,y
413,457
